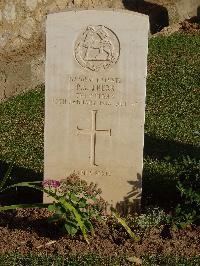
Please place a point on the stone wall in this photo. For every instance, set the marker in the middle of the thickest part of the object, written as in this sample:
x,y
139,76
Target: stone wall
x,y
22,33
23,21
22,39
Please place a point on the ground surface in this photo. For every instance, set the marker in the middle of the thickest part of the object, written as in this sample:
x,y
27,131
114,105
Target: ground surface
x,y
27,231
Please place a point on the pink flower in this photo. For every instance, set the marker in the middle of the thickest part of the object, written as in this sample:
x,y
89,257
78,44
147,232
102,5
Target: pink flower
x,y
51,183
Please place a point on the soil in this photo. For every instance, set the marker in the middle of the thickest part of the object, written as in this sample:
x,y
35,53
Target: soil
x,y
27,231
188,26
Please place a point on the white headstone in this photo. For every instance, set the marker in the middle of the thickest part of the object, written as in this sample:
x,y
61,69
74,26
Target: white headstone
x,y
96,67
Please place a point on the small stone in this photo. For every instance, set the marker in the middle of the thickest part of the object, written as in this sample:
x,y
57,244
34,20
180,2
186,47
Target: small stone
x,y
9,12
31,4
16,43
78,2
39,15
4,39
61,4
70,4
135,260
52,7
27,28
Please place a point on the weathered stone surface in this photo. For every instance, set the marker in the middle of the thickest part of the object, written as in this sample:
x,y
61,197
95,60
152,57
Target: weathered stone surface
x,y
96,66
9,12
37,69
21,71
16,44
187,9
31,4
3,39
1,16
27,28
61,4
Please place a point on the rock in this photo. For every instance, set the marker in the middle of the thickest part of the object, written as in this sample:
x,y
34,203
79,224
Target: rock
x,y
52,7
135,260
31,4
9,12
37,69
4,39
78,2
39,15
15,44
61,4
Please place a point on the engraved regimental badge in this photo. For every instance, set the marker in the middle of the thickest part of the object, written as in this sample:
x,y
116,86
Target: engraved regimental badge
x,y
97,48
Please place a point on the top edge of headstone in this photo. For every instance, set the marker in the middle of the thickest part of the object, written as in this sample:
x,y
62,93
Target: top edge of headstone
x,y
79,10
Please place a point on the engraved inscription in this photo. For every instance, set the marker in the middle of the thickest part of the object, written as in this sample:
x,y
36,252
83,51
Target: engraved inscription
x,y
87,172
93,132
95,91
97,48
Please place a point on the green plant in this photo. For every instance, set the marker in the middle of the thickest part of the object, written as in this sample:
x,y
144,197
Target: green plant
x,y
78,196
188,210
74,208
76,205
153,217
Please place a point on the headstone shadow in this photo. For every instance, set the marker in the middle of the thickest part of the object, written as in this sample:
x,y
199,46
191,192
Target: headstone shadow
x,y
29,222
158,15
159,189
132,201
22,194
162,148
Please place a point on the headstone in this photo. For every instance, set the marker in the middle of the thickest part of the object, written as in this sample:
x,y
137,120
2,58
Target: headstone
x,y
96,66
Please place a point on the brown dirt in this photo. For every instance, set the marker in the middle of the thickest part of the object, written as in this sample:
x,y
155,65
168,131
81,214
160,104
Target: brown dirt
x,y
28,231
188,26
191,26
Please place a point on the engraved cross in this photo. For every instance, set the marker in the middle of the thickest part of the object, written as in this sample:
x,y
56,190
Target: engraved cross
x,y
93,132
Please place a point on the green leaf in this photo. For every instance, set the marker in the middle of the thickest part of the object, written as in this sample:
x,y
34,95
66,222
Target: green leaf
x,y
33,185
54,218
20,206
56,208
74,198
61,210
124,224
52,207
89,226
77,216
71,229
93,198
82,203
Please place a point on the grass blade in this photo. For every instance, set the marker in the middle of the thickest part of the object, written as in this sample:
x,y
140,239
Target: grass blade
x,y
20,206
124,224
5,178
